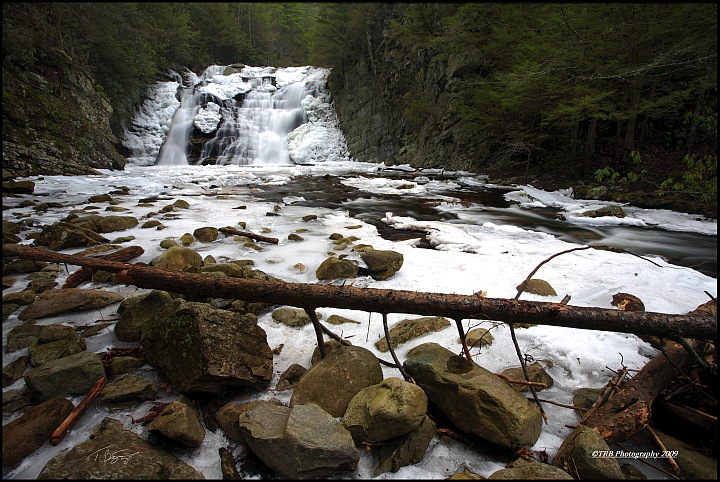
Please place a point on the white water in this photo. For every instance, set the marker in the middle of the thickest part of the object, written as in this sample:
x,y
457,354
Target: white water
x,y
249,114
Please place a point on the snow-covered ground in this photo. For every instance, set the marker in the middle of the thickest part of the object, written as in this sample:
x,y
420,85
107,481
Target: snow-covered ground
x,y
470,255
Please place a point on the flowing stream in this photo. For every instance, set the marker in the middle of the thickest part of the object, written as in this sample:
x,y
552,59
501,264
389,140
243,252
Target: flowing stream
x,y
262,115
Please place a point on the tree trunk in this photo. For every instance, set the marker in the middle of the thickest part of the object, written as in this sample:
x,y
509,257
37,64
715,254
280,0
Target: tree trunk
x,y
311,296
632,122
590,142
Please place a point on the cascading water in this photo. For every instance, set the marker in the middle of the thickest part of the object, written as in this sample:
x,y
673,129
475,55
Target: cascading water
x,y
248,117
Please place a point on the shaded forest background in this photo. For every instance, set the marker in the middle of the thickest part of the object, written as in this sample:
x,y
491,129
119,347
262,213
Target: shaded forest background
x,y
620,93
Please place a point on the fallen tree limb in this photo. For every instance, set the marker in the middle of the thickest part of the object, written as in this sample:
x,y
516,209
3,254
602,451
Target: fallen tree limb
x,y
628,411
258,237
71,419
305,295
85,274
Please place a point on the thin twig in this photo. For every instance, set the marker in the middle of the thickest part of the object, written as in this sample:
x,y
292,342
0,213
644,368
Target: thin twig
x,y
407,377
524,367
664,449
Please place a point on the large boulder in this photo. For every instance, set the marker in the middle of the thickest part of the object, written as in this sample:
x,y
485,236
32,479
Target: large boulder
x,y
575,456
127,392
382,264
406,449
179,423
134,312
207,350
61,235
106,224
536,373
26,434
53,349
387,410
530,470
302,442
70,376
178,258
476,400
409,329
336,379
335,268
113,453
57,302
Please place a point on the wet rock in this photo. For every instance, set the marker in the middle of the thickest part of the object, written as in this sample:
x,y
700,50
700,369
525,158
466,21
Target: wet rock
x,y
135,311
19,266
339,320
100,198
179,422
382,264
330,346
290,377
536,373
538,287
32,430
302,442
387,410
57,302
612,211
293,317
24,297
115,453
476,400
106,224
530,470
168,243
70,376
120,365
333,381
575,454
478,337
228,269
409,329
207,234
335,268
126,392
61,235
406,449
178,258
585,397
18,187
54,349
23,336
207,350
14,371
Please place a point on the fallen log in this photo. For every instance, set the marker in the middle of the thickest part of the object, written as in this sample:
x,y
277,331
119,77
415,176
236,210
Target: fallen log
x,y
258,237
629,409
311,296
85,274
71,419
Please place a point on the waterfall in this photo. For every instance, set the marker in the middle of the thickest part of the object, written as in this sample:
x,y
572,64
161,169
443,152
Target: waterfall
x,y
174,150
240,115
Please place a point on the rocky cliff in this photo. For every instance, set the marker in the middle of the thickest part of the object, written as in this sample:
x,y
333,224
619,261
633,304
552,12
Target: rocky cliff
x,y
399,107
55,120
